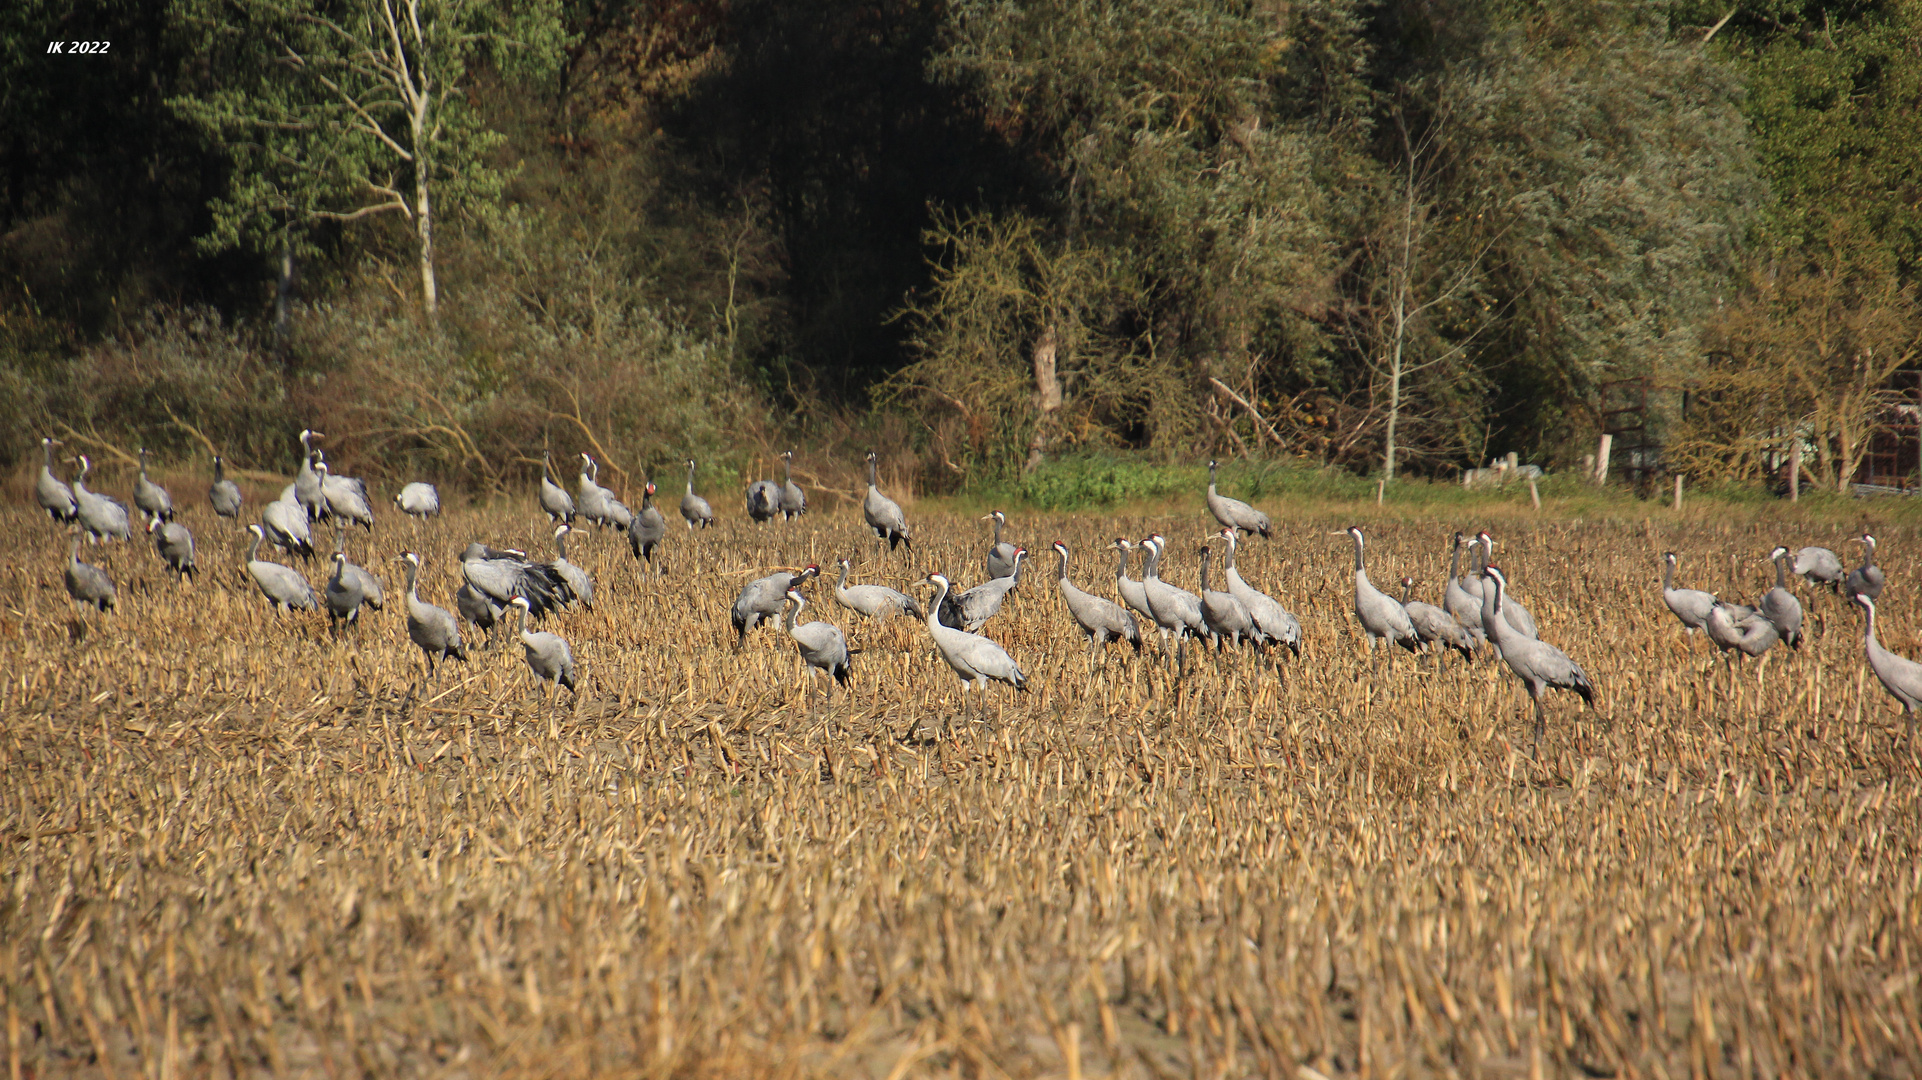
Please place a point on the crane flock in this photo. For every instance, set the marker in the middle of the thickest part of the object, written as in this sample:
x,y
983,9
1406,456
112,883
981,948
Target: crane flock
x,y
1478,605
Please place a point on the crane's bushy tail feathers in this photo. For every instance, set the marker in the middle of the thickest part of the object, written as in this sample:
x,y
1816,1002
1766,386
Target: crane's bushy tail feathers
x,y
843,674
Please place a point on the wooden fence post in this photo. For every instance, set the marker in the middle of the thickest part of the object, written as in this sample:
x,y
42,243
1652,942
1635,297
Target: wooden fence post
x,y
1601,459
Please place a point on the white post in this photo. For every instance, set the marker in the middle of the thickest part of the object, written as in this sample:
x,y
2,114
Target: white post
x,y
1601,459
1795,470
1678,491
1534,495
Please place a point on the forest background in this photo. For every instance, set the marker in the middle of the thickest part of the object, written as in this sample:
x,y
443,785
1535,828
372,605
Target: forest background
x,y
995,239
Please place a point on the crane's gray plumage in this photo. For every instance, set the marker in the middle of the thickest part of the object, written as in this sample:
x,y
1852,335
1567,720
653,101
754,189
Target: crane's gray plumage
x,y
175,545
1381,617
592,500
1174,610
1433,625
1691,606
578,583
821,644
150,498
372,592
283,586
1900,676
556,503
762,600
1512,609
1820,566
1233,513
1741,629
619,516
548,656
794,501
874,601
1101,619
223,493
971,610
419,499
87,584
54,496
1458,599
103,516
1223,614
1536,663
432,628
763,500
307,481
478,608
346,496
1000,559
342,594
649,527
607,510
287,525
504,576
1865,580
694,509
974,658
1779,606
1270,617
1133,593
883,514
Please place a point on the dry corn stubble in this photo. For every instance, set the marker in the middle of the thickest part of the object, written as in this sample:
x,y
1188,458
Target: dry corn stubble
x,y
231,844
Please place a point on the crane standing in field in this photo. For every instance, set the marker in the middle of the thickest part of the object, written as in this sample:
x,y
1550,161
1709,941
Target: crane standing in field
x,y
53,495
556,503
883,514
972,609
1380,616
504,576
283,586
1133,593
821,644
1175,610
150,498
307,481
1458,600
763,600
1691,606
974,658
87,584
287,525
578,583
1900,676
1434,626
548,656
223,493
175,546
763,501
419,500
1779,605
1865,580
1234,513
592,500
103,516
1819,566
1000,558
346,496
432,628
1101,619
874,601
649,527
1518,617
1223,614
794,501
1270,617
694,509
1536,663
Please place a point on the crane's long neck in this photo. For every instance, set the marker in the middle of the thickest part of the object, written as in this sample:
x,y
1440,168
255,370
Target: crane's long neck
x,y
253,551
73,552
997,530
46,450
1228,560
934,609
1455,560
340,570
560,545
1121,564
1407,592
143,464
1868,631
787,470
793,612
870,474
842,586
690,478
413,581
524,634
1204,568
1868,552
1151,564
1063,554
220,471
1668,575
1781,572
1495,596
1211,478
1360,567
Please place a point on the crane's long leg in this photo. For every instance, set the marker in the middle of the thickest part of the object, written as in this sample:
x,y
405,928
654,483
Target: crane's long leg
x,y
1541,719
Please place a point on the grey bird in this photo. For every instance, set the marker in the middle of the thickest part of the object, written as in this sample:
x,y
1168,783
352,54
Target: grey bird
x,y
1740,629
694,509
223,493
1512,609
762,600
1864,580
432,628
287,525
821,644
1133,593
283,586
1458,599
1434,626
556,503
591,502
1820,566
615,513
1900,676
87,584
1234,513
54,496
649,527
1537,664
1691,606
1223,614
150,498
1380,616
478,608
577,580
1000,558
974,658
1779,606
419,500
307,481
1101,619
346,496
883,514
794,501
874,601
342,595
372,592
763,500
504,576
102,516
1175,610
175,545
548,656
971,610
1270,617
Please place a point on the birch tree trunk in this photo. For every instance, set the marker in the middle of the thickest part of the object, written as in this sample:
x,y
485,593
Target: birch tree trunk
x,y
1047,396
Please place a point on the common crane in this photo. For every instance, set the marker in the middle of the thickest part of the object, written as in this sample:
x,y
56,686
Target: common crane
x,y
821,644
971,610
1380,616
1691,606
763,501
556,503
578,583
762,600
1270,617
223,493
1101,619
1536,663
54,496
591,503
883,514
150,498
1133,593
419,500
346,496
1000,558
694,509
87,584
1819,566
1175,610
479,609
307,481
974,658
1900,676
504,576
342,595
794,501
1865,580
288,526
1234,513
1779,606
1512,608
1740,629
1458,599
283,586
102,516
874,601
1433,625
649,527
432,628
1224,615
548,656
372,592
614,512
175,546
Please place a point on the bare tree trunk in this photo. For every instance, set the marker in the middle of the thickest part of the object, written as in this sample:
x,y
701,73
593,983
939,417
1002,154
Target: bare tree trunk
x,y
1047,396
283,293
